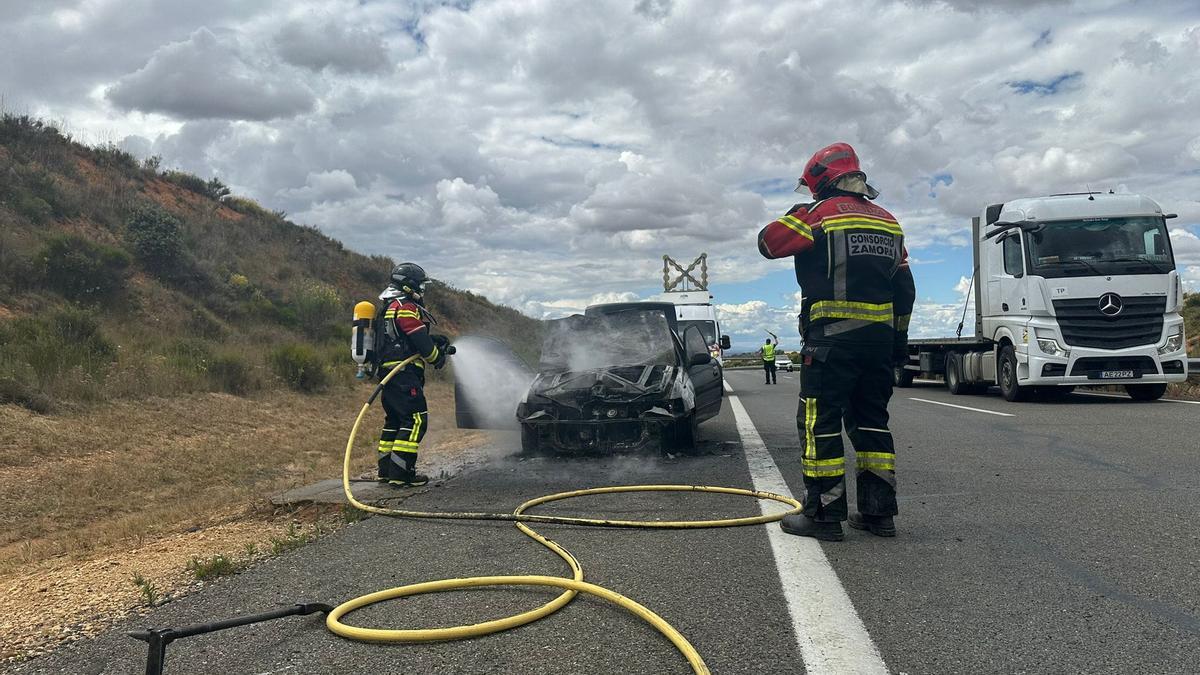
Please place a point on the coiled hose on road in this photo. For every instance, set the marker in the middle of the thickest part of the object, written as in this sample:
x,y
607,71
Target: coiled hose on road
x,y
571,587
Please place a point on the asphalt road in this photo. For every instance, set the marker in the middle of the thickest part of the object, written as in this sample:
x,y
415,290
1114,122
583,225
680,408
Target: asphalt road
x,y
1051,538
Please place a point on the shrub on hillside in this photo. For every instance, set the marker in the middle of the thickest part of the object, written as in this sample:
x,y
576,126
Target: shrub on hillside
x,y
16,269
232,374
41,349
300,367
156,239
187,181
19,393
82,269
201,323
31,207
189,355
317,306
247,207
111,155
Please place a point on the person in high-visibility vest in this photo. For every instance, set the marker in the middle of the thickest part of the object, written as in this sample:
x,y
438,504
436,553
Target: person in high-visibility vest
x,y
858,293
768,357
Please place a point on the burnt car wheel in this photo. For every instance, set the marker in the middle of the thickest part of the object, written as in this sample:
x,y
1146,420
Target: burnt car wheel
x,y
530,443
681,436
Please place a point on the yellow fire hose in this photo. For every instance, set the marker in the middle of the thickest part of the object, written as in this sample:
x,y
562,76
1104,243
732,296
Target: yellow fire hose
x,y
571,587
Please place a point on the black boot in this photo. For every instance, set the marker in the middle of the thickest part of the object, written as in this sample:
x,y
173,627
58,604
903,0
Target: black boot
x,y
880,526
803,526
408,476
409,479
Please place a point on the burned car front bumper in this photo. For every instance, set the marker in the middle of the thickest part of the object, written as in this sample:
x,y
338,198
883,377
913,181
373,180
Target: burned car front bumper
x,y
606,411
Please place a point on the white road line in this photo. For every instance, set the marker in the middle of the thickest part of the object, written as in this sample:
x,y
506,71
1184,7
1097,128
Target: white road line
x,y
1100,393
832,638
727,387
961,407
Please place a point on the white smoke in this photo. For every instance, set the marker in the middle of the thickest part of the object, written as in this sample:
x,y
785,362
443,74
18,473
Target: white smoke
x,y
490,380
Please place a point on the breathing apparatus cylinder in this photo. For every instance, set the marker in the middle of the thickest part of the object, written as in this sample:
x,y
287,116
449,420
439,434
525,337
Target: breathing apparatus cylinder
x,y
362,337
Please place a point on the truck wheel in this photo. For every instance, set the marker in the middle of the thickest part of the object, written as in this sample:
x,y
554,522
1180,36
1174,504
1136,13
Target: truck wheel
x,y
902,377
1146,392
1008,376
953,375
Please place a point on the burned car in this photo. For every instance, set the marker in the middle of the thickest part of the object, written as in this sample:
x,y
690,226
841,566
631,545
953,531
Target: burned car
x,y
618,381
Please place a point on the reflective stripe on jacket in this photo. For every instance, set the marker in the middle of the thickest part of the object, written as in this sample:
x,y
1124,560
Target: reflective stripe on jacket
x,y
852,266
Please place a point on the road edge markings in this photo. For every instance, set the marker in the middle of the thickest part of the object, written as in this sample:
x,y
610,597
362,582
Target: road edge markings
x,y
829,632
1107,395
726,385
961,407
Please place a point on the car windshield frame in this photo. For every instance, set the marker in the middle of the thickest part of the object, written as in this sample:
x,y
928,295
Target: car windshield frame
x,y
1111,246
608,341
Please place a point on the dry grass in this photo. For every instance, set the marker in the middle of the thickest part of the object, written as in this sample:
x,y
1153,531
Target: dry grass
x,y
146,488
125,472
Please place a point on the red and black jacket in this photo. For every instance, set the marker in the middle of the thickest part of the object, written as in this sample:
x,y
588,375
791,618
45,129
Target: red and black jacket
x,y
851,265
408,324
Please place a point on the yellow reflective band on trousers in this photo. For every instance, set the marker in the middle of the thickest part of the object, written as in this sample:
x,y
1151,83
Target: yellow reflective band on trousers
x,y
843,309
810,421
882,461
798,226
824,468
385,446
405,446
416,430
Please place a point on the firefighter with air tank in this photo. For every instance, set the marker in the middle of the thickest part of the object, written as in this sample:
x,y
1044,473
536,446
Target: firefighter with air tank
x,y
858,292
383,339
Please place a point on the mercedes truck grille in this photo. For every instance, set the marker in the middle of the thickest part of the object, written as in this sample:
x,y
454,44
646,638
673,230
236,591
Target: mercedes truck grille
x,y
1139,321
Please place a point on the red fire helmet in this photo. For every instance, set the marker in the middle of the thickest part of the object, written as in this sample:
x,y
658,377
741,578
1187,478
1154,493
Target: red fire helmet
x,y
827,165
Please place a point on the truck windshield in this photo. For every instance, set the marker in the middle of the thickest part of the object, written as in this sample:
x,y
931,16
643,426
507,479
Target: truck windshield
x,y
1094,246
707,328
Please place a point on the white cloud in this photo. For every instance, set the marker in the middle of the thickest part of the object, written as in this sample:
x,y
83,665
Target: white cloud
x,y
210,77
546,152
327,43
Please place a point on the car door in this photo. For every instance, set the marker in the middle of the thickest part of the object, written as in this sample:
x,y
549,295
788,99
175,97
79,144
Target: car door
x,y
489,382
705,373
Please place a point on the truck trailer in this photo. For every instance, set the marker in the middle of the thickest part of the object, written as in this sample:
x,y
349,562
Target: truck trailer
x,y
1069,290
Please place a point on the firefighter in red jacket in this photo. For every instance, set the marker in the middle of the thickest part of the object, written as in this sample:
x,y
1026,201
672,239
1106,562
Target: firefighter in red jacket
x,y
405,323
858,295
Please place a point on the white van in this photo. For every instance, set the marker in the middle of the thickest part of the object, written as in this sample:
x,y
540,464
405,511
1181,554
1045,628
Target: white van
x,y
695,308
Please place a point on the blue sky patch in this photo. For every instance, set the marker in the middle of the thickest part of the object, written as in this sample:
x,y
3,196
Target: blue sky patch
x,y
770,186
942,178
1047,87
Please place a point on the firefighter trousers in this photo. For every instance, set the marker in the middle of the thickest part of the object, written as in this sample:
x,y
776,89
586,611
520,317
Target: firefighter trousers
x,y
853,383
406,417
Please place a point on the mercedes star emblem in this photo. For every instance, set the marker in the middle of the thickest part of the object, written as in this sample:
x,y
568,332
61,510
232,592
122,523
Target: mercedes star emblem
x,y
1111,304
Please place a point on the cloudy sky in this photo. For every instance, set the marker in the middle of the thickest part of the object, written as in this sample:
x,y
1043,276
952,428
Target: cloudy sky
x,y
547,153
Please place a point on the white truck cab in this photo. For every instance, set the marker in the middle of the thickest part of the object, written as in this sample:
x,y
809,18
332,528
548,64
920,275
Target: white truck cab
x,y
695,308
1077,289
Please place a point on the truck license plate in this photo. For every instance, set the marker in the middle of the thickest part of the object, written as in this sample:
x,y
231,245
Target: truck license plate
x,y
1116,374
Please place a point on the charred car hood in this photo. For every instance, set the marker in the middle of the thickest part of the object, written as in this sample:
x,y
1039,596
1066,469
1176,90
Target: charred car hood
x,y
619,383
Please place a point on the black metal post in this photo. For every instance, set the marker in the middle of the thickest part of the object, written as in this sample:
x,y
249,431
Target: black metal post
x,y
157,639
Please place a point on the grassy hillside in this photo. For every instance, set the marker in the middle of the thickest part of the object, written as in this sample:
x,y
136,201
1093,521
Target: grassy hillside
x,y
119,279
